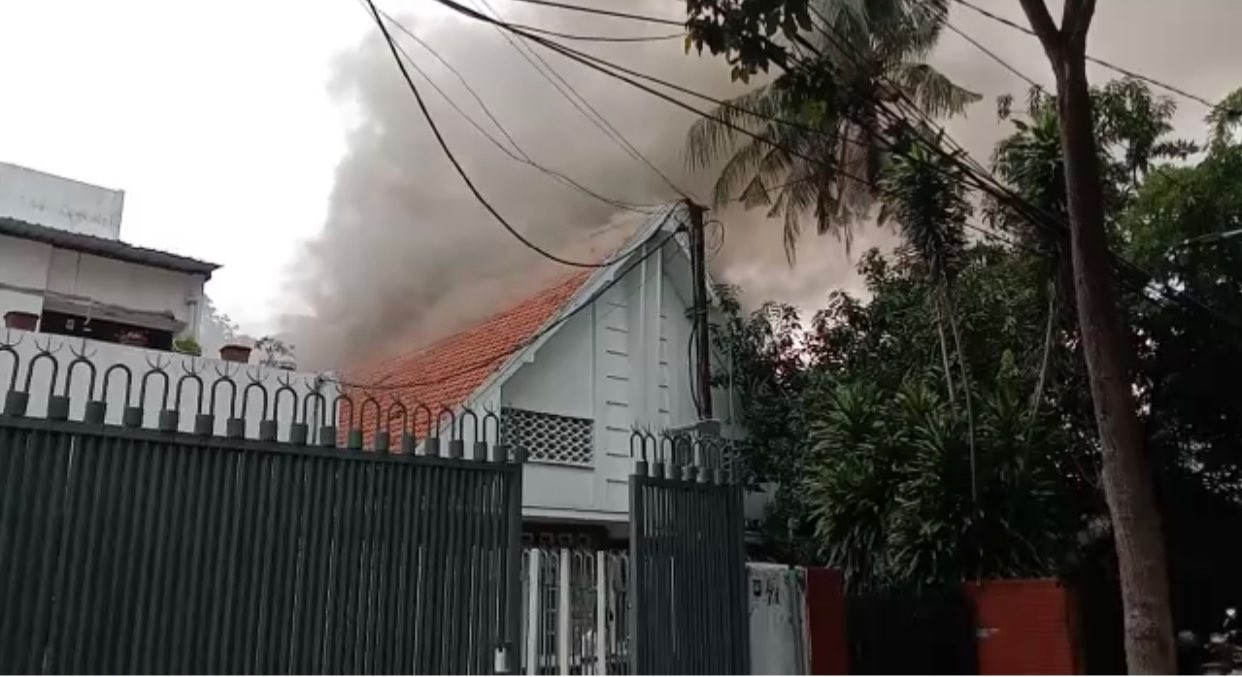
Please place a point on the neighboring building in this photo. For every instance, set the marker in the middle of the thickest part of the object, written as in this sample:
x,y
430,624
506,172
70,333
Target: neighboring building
x,y
572,369
62,260
79,290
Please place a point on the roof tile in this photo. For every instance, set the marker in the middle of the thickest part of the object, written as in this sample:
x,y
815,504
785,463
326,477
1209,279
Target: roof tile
x,y
448,371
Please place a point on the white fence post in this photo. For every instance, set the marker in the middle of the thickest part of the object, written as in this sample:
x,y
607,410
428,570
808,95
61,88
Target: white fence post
x,y
601,613
533,615
562,615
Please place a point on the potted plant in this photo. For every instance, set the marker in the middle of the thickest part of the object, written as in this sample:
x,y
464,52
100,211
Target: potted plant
x,y
235,352
186,345
20,319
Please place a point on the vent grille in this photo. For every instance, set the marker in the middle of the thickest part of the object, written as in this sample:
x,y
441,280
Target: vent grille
x,y
548,438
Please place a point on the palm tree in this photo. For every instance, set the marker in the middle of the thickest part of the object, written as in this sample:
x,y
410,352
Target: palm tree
x,y
825,166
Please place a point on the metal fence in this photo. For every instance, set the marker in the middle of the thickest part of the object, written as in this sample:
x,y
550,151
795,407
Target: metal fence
x,y
575,612
688,559
126,549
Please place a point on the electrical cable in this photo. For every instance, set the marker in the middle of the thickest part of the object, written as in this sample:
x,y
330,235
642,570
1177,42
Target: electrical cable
x,y
579,102
982,48
983,180
605,12
509,152
422,105
591,300
990,184
1101,62
599,38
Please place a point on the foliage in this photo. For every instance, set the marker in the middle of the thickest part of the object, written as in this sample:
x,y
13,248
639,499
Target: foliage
x,y
845,413
814,142
891,492
1224,120
274,352
1184,229
188,346
873,463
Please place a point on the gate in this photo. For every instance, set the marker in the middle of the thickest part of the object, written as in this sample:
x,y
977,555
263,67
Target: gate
x,y
911,635
174,549
575,612
688,560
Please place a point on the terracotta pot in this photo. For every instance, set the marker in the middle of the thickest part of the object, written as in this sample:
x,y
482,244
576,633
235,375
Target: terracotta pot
x,y
235,353
18,319
133,338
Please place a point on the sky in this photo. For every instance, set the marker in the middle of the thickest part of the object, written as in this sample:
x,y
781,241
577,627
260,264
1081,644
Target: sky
x,y
276,139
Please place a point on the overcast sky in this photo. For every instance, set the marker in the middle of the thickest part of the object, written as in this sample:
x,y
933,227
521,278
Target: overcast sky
x,y
229,124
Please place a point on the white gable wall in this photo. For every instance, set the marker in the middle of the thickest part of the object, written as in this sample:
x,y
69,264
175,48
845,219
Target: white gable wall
x,y
622,361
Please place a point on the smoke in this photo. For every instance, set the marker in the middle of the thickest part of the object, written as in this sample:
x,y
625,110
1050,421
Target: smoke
x,y
407,255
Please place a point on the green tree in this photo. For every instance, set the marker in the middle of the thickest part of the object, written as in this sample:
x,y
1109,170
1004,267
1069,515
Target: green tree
x,y
885,490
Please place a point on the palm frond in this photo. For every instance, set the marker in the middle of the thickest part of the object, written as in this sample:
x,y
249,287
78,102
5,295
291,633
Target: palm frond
x,y
932,90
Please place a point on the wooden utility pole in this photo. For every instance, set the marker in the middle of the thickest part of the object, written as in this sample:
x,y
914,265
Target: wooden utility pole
x,y
1126,475
698,265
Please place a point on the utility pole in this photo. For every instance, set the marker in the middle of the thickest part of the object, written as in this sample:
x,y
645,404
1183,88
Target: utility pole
x,y
698,265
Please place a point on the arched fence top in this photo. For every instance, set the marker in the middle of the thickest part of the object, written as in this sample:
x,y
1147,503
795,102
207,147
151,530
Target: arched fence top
x,y
685,456
176,394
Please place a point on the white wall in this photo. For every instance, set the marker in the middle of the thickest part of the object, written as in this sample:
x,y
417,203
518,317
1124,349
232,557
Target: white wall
x,y
56,202
631,368
105,280
139,360
23,265
565,390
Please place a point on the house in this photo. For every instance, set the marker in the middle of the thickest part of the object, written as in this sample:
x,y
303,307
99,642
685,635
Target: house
x,y
65,270
572,369
70,286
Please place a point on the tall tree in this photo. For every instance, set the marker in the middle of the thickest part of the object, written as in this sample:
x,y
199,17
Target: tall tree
x,y
1127,479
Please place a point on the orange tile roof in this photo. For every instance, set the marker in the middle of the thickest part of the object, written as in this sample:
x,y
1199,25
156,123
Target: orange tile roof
x,y
448,371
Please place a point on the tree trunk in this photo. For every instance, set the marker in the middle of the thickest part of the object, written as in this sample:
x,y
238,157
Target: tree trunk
x,y
1127,479
970,412
944,352
1049,333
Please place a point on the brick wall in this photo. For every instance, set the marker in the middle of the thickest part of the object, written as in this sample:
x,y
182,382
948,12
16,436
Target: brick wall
x,y
1024,627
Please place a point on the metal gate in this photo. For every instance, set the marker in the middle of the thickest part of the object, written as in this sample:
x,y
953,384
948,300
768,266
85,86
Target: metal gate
x,y
688,561
127,549
936,634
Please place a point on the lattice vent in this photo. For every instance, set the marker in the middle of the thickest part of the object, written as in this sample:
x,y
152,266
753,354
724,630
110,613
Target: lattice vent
x,y
548,438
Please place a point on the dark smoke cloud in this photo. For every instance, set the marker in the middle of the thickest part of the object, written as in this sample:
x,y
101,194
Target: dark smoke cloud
x,y
407,255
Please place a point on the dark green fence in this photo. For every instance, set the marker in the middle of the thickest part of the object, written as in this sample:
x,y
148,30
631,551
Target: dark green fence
x,y
688,563
129,550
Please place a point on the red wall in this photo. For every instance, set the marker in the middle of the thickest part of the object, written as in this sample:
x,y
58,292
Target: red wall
x,y
825,607
1025,627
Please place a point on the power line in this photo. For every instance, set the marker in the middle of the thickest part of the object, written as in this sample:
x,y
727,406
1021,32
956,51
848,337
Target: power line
x,y
590,301
600,38
982,48
982,179
605,12
994,187
422,106
580,103
524,157
1101,62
